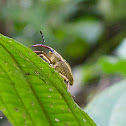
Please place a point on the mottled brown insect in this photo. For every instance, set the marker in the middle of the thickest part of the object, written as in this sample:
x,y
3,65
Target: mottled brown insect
x,y
57,62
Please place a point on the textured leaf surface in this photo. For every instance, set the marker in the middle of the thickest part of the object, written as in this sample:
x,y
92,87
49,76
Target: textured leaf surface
x,y
32,93
109,107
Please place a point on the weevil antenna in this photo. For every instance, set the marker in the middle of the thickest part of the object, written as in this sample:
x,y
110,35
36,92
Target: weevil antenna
x,y
42,36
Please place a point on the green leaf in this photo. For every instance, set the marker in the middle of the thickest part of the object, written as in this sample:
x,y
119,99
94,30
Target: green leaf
x,y
109,107
32,93
112,65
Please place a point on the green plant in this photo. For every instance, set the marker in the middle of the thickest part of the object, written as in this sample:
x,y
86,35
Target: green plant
x,y
32,93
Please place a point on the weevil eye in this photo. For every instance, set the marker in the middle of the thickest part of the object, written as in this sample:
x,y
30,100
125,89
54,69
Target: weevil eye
x,y
51,50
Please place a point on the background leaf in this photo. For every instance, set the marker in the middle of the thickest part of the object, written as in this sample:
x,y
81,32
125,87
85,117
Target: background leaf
x,y
32,93
109,107
113,65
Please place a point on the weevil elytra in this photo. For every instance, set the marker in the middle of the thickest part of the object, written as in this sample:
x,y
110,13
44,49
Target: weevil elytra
x,y
57,62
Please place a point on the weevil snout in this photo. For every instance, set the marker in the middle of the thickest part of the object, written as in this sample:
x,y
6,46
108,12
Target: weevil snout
x,y
51,50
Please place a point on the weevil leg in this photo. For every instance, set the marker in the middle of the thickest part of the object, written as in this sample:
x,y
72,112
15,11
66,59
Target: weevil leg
x,y
45,56
68,85
67,81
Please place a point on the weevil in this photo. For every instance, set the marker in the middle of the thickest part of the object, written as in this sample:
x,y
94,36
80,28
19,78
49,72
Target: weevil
x,y
57,62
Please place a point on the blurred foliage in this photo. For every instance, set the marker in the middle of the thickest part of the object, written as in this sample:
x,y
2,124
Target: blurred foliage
x,y
73,27
109,107
91,73
112,65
